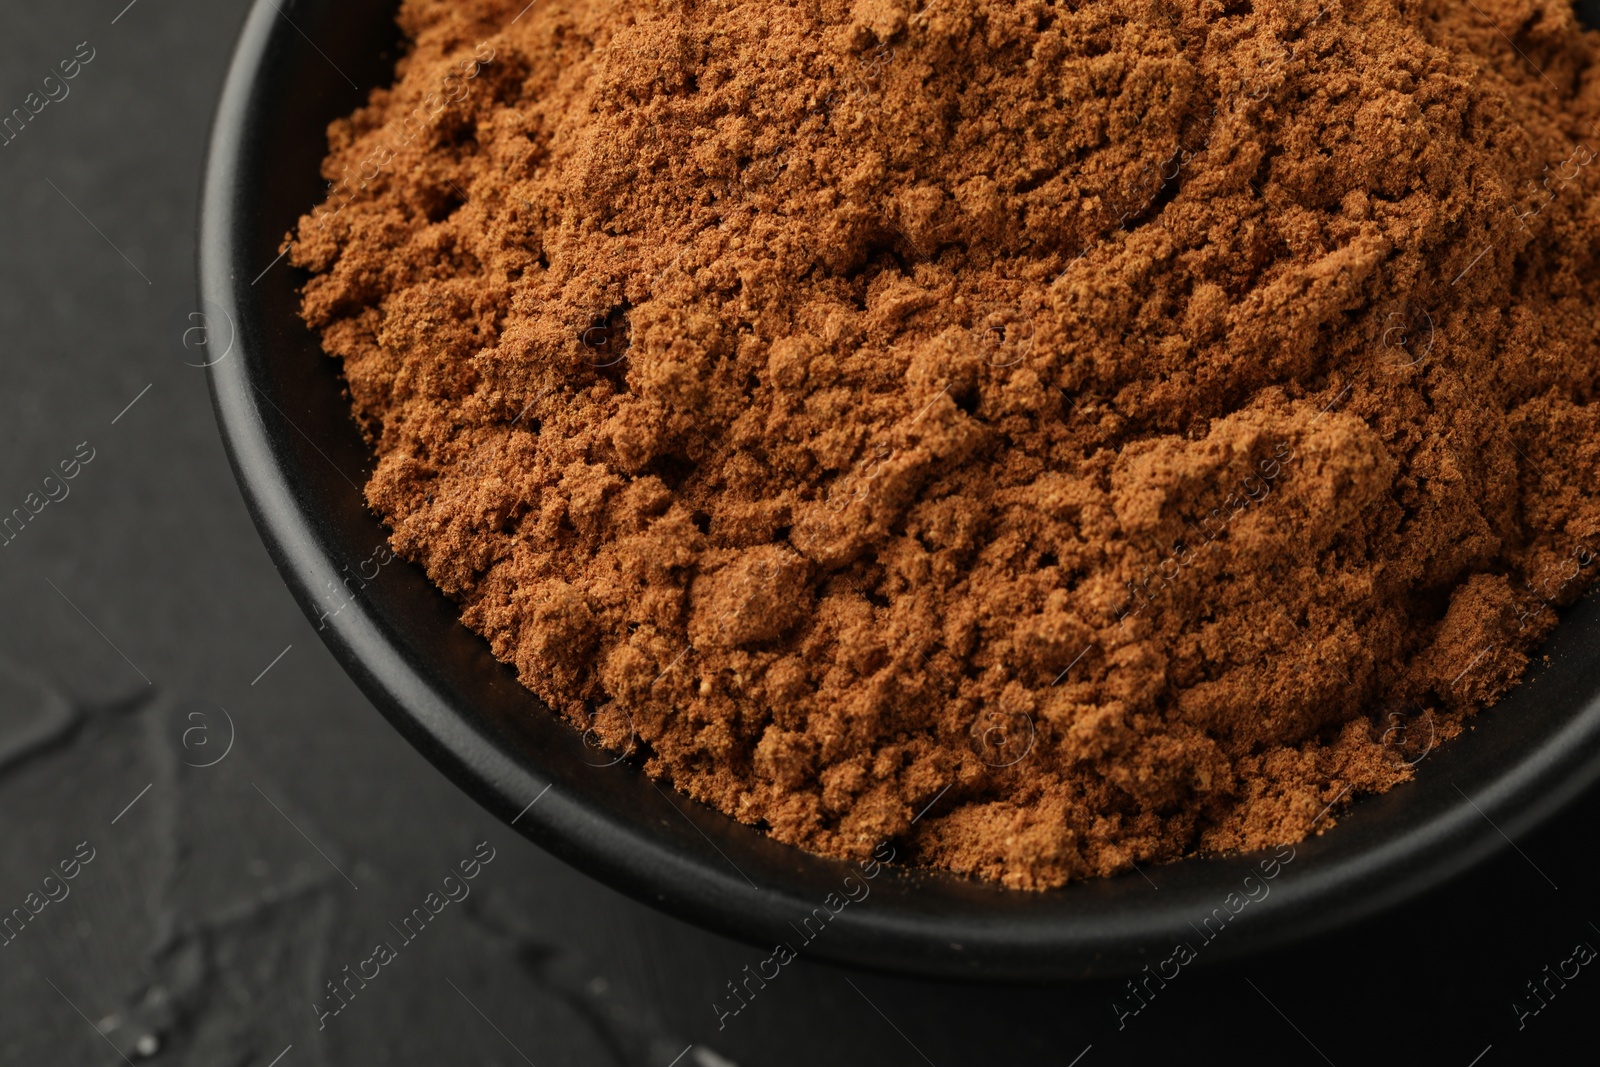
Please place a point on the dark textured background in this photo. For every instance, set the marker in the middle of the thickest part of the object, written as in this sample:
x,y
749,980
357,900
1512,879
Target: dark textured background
x,y
216,906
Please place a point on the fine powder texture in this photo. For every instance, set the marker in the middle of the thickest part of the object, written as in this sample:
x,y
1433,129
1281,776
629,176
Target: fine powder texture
x,y
1051,436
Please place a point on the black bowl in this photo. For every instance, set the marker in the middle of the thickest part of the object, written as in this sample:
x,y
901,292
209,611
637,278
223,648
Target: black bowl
x,y
301,462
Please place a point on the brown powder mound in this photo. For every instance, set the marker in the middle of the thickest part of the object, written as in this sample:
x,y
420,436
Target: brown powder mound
x,y
1121,428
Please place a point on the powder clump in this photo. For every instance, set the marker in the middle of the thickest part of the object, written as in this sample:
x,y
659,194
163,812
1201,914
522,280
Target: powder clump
x,y
1055,436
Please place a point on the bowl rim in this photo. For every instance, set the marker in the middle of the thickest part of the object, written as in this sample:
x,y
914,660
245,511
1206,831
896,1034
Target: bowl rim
x,y
1082,936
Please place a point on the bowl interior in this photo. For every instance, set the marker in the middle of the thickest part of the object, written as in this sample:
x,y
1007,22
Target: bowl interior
x,y
301,464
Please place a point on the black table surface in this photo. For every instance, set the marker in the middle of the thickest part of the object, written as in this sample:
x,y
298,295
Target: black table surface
x,y
242,826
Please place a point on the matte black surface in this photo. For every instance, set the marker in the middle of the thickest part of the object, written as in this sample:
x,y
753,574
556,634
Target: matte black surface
x,y
301,461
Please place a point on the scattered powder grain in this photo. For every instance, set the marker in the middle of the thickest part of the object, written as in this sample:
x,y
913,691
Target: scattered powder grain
x,y
1121,427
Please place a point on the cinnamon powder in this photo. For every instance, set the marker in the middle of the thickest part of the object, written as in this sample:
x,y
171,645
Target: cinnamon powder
x,y
1115,428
